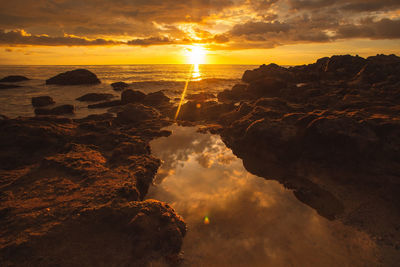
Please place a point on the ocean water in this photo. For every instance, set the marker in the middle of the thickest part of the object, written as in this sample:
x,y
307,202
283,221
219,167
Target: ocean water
x,y
147,78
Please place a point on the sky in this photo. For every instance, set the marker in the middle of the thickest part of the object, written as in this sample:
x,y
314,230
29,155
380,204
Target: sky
x,y
288,32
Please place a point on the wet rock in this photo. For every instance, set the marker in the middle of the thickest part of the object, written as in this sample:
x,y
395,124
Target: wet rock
x,y
200,97
59,110
42,101
94,97
135,113
106,104
132,96
13,79
156,99
74,77
8,86
119,86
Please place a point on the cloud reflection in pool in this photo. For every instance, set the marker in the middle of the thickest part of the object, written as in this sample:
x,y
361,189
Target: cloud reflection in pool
x,y
237,219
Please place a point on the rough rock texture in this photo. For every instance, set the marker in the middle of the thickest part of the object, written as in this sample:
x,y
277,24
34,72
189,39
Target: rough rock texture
x,y
13,79
59,110
329,131
74,77
72,191
106,104
94,97
42,101
132,96
8,86
119,86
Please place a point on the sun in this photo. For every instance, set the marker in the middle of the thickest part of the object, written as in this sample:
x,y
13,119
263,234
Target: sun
x,y
196,55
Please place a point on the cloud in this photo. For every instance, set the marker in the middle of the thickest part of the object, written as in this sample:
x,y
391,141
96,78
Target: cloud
x,y
223,24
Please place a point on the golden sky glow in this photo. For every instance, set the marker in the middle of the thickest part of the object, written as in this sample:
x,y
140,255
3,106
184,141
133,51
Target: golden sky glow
x,y
204,31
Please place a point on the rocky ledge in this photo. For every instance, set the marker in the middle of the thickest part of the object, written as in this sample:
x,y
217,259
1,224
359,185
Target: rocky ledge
x,y
330,131
72,192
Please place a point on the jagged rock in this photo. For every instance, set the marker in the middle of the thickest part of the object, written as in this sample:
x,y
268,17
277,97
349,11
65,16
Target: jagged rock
x,y
106,104
94,97
13,79
132,96
267,71
8,86
119,86
74,77
156,99
134,113
59,110
200,97
42,101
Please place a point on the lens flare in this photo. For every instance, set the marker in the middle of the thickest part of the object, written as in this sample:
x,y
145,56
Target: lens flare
x,y
206,220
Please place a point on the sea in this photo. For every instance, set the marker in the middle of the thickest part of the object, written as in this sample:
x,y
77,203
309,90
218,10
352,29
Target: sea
x,y
170,79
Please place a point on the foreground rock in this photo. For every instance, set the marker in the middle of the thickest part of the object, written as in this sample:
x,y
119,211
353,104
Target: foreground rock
x,y
74,77
8,86
119,86
329,131
95,97
59,110
13,79
42,101
72,193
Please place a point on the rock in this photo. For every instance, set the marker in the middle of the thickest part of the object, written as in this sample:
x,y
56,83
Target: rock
x,y
74,77
133,113
267,87
132,96
8,86
94,97
41,101
156,99
200,97
237,93
59,110
106,104
267,71
119,86
13,79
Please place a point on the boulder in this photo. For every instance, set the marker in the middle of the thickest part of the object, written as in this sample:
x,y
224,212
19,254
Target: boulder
x,y
42,101
119,86
267,87
132,113
156,99
94,97
132,96
8,86
200,96
59,110
107,104
13,79
271,71
74,77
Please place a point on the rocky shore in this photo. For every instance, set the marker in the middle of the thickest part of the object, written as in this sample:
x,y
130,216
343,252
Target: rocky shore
x,y
72,190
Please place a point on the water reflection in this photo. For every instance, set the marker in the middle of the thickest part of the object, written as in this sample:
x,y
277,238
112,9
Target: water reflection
x,y
237,219
196,75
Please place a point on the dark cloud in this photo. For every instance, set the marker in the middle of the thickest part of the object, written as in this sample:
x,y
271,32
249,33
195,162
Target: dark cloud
x,y
246,23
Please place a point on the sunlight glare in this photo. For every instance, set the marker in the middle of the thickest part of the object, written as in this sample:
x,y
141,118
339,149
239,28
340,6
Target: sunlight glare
x,y
196,55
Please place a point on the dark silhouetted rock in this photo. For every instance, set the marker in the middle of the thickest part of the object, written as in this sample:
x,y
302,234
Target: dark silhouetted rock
x,y
156,99
93,97
107,104
132,96
270,71
13,78
119,86
8,86
267,87
200,96
74,77
133,113
59,110
42,101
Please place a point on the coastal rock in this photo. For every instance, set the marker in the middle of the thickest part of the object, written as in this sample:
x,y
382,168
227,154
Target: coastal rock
x,y
267,71
200,97
42,101
119,86
59,110
134,113
94,97
13,79
132,96
74,77
8,86
106,104
156,99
